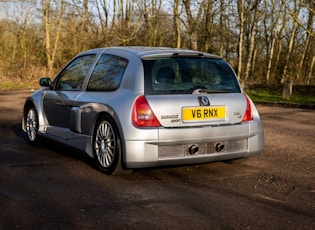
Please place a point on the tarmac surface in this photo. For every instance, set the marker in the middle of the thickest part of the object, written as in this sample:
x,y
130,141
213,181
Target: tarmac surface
x,y
51,187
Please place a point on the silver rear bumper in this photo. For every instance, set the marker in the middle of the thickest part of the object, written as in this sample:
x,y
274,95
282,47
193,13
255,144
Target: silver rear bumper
x,y
178,146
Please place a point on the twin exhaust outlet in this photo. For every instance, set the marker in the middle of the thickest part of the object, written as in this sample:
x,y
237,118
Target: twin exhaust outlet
x,y
219,147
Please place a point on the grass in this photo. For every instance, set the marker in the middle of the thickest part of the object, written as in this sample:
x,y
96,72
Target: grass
x,y
15,86
303,95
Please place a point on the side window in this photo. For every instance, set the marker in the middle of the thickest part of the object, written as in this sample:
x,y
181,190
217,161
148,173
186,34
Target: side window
x,y
72,77
107,73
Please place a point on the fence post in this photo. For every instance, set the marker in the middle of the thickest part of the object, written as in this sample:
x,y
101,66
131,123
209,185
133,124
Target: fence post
x,y
287,90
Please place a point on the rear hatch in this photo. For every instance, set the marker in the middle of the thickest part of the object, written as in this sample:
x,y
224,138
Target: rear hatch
x,y
193,90
196,110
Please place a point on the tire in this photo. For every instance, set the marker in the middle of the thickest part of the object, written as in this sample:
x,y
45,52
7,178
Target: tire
x,y
31,125
107,146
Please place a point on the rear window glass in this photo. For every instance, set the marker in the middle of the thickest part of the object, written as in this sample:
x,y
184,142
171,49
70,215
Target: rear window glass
x,y
186,75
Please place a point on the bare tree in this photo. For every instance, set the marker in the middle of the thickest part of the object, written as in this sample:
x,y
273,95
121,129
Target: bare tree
x,y
51,44
269,43
193,23
250,57
157,22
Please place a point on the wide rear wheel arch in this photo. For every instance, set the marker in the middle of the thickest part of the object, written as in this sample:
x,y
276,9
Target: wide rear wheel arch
x,y
107,145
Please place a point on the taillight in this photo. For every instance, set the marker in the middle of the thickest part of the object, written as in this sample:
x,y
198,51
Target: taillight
x,y
248,116
142,115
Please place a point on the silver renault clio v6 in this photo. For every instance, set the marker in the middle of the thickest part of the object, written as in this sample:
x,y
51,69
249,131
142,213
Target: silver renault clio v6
x,y
134,107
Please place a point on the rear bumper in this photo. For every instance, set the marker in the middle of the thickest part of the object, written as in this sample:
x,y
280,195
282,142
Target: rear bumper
x,y
174,145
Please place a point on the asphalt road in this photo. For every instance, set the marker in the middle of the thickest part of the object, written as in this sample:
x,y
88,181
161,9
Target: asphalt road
x,y
50,187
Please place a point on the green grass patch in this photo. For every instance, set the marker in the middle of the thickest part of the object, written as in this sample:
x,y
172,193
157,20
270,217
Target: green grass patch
x,y
273,93
15,86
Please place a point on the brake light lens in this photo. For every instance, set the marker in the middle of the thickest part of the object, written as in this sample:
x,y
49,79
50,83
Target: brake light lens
x,y
142,115
248,116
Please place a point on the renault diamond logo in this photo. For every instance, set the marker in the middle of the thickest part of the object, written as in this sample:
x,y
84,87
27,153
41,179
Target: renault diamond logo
x,y
203,101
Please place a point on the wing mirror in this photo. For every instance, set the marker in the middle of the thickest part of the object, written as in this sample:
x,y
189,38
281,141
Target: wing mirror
x,y
45,82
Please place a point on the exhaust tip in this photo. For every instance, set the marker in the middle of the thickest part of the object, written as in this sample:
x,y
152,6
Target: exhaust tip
x,y
193,149
219,147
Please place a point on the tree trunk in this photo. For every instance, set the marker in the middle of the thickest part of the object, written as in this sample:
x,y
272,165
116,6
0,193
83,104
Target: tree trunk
x,y
291,44
279,36
253,65
46,11
270,59
287,59
251,45
309,32
193,23
273,44
57,33
208,24
177,30
310,74
241,11
221,27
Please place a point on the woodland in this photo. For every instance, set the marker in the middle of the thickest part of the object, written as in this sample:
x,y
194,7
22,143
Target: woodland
x,y
265,41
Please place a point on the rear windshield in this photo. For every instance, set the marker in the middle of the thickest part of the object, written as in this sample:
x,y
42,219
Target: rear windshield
x,y
187,75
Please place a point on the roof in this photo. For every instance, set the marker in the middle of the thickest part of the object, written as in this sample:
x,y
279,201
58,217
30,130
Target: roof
x,y
146,52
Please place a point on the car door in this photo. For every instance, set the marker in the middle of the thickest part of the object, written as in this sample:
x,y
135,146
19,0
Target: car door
x,y
58,101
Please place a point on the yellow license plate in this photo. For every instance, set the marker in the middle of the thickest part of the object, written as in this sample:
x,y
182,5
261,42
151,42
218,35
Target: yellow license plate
x,y
204,113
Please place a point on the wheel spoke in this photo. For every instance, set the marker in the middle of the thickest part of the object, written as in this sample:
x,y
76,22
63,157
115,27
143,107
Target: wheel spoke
x,y
108,159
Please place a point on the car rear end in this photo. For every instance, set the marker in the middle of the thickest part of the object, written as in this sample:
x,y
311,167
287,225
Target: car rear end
x,y
194,103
